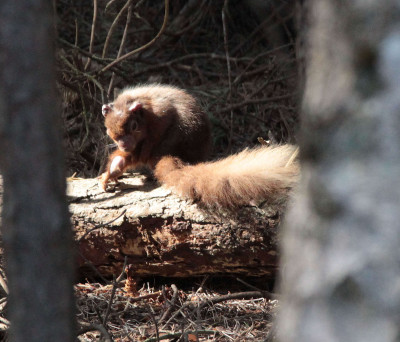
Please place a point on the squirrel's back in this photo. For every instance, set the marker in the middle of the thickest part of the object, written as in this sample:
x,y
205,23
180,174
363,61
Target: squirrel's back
x,y
167,121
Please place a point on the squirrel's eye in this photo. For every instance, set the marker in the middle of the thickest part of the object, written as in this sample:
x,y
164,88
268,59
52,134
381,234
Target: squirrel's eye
x,y
134,125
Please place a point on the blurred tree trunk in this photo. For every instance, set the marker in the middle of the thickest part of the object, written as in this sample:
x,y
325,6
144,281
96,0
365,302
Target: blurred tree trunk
x,y
35,225
341,255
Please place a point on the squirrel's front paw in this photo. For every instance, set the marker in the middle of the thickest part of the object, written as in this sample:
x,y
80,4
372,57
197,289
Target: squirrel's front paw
x,y
115,170
103,180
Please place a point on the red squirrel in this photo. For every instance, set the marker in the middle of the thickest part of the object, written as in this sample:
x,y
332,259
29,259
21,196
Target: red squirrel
x,y
162,127
152,121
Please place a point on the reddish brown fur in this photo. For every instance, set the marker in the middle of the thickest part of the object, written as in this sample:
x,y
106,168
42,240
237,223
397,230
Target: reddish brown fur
x,y
170,122
264,173
169,132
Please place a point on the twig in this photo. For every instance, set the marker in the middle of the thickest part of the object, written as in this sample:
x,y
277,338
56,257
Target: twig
x,y
202,304
282,22
143,47
285,124
184,306
123,270
257,101
238,295
5,321
121,46
200,288
167,313
3,284
228,65
179,334
76,32
78,72
86,327
114,289
255,31
92,266
261,55
271,334
204,55
247,284
112,27
92,56
185,14
148,296
194,22
102,225
111,2
150,309
85,118
98,314
92,33
266,83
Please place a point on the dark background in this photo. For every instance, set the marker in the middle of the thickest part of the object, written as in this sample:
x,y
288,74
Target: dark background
x,y
257,97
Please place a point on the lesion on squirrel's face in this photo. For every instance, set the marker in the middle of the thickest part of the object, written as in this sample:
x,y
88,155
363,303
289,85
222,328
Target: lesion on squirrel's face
x,y
124,124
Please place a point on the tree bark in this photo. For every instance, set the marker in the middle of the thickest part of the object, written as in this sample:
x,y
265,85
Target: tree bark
x,y
35,226
162,234
341,245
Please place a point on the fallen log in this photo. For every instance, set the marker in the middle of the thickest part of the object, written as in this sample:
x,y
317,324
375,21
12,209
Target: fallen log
x,y
159,233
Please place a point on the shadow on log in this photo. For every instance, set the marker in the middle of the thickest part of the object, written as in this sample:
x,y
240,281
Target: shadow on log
x,y
164,235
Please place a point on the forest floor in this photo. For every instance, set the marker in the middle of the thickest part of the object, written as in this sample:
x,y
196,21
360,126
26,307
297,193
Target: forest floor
x,y
206,312
113,312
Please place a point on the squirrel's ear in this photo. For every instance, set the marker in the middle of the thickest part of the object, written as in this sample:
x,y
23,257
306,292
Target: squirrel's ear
x,y
106,109
135,106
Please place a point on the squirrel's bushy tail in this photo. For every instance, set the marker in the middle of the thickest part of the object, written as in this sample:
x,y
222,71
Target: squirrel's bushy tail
x,y
265,173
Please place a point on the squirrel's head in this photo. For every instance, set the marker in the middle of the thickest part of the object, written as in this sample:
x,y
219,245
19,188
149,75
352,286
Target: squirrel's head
x,y
124,123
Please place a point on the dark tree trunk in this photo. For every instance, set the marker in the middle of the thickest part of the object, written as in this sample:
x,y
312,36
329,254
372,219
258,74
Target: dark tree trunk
x,y
340,274
35,226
